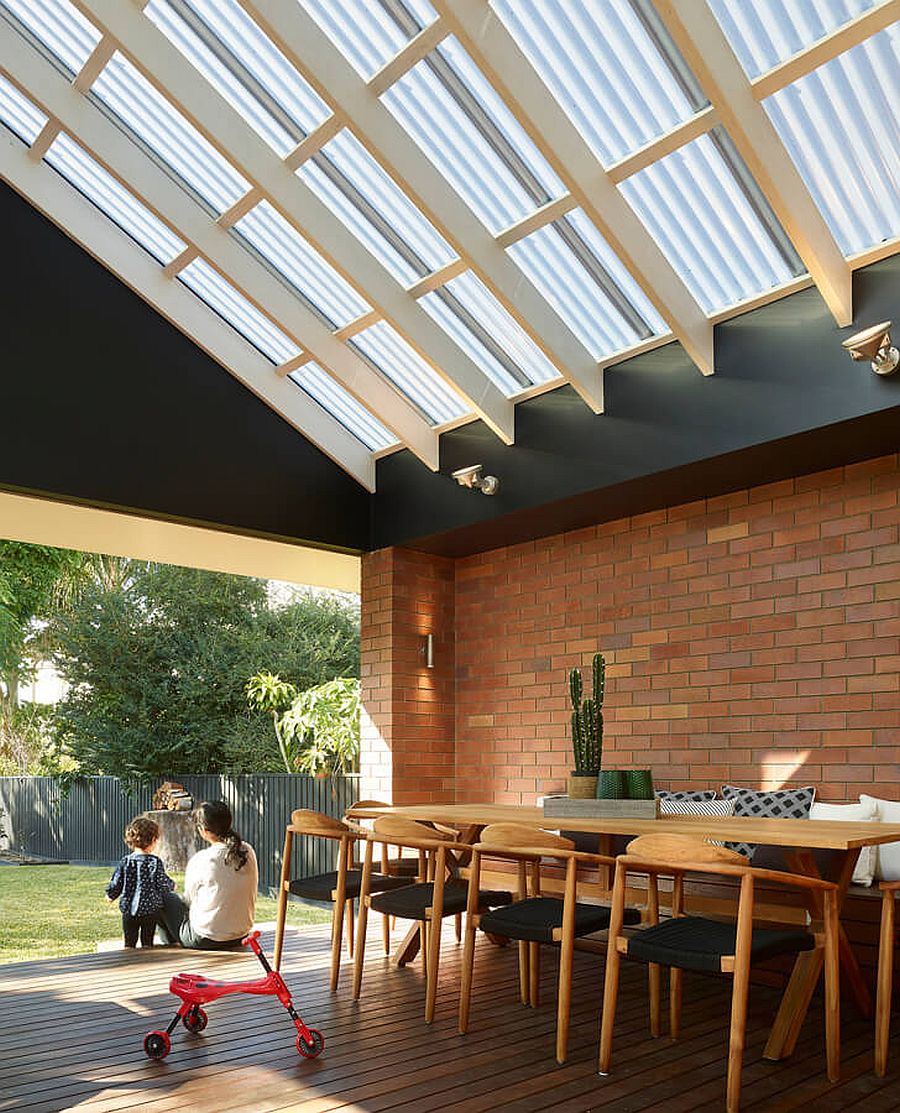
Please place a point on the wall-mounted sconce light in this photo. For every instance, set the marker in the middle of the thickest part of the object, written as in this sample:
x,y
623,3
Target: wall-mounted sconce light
x,y
875,345
428,650
472,478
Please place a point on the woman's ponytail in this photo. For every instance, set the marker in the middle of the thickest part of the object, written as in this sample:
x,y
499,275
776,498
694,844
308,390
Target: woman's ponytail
x,y
236,854
215,816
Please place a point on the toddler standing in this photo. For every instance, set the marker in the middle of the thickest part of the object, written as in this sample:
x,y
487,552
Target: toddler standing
x,y
140,882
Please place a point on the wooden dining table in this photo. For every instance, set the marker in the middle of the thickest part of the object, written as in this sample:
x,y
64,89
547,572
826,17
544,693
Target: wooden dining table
x,y
797,838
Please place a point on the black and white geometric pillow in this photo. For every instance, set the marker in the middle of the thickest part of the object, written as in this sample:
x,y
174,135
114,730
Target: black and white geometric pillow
x,y
693,795
697,807
786,803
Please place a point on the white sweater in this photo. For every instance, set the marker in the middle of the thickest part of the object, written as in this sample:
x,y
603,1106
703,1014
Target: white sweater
x,y
222,899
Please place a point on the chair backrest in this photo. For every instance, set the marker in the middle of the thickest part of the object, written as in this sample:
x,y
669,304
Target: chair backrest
x,y
401,831
309,822
680,852
518,840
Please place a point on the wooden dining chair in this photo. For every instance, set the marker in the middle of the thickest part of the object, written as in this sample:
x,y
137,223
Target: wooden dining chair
x,y
697,943
885,990
534,918
437,892
339,887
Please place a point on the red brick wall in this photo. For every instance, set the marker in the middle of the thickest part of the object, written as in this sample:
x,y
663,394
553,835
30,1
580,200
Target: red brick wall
x,y
752,638
407,716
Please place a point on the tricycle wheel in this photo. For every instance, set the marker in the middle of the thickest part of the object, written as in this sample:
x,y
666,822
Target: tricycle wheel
x,y
313,1047
157,1045
195,1020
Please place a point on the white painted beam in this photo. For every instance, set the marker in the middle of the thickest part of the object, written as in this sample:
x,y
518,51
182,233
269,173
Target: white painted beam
x,y
513,76
226,129
109,245
66,525
334,78
173,205
707,51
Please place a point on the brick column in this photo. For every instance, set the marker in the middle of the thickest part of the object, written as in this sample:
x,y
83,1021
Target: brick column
x,y
407,749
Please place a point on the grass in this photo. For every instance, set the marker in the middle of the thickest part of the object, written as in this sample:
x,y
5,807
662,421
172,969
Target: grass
x,y
52,911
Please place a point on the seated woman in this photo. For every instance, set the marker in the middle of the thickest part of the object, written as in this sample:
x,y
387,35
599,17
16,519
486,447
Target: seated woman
x,y
220,885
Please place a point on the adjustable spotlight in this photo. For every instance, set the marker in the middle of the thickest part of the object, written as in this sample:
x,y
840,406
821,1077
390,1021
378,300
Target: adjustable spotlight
x,y
472,478
875,345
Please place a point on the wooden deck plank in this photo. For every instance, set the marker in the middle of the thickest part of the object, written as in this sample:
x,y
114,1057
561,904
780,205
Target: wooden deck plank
x,y
74,1029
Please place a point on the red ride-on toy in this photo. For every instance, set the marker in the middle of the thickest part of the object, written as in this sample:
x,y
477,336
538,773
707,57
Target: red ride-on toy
x,y
196,990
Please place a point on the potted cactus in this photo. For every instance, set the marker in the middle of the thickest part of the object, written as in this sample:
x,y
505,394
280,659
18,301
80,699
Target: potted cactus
x,y
587,730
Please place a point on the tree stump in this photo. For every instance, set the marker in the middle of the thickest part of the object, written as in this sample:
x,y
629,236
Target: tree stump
x,y
178,838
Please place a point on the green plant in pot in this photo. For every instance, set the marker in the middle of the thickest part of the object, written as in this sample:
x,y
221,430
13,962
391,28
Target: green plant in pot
x,y
587,730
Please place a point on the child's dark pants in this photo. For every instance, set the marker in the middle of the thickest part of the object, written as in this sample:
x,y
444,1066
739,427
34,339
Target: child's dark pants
x,y
132,926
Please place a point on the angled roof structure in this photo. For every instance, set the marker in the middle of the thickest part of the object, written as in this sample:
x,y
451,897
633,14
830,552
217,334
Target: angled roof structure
x,y
393,219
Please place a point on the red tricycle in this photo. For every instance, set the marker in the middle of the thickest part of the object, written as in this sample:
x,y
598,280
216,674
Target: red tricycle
x,y
196,990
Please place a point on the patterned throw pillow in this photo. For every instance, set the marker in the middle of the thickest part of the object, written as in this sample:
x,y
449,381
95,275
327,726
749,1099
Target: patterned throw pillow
x,y
693,795
697,807
786,803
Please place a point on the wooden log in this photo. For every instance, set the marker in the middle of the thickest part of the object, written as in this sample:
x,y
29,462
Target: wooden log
x,y
178,839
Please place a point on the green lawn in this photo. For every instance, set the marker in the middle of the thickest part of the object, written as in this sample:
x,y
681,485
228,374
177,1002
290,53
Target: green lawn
x,y
51,911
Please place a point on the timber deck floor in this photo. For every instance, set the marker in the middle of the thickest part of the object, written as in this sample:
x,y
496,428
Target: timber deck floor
x,y
71,1032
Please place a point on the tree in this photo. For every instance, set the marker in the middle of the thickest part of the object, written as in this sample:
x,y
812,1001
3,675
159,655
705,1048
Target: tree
x,y
318,729
32,579
157,666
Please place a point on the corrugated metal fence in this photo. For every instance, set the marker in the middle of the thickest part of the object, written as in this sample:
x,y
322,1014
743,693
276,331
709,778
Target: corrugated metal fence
x,y
87,822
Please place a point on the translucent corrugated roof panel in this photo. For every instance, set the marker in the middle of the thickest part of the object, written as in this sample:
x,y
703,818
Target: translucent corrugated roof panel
x,y
243,64
365,198
766,32
166,132
18,113
603,68
282,246
460,122
59,26
841,126
234,308
342,406
500,347
719,247
365,31
121,206
406,369
603,305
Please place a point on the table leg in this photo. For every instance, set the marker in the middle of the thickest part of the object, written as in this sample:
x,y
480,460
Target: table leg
x,y
808,965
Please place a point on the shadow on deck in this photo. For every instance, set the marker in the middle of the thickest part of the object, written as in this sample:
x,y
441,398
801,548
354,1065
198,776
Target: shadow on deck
x,y
72,1031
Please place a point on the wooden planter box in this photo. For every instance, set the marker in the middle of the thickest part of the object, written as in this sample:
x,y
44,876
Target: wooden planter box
x,y
564,807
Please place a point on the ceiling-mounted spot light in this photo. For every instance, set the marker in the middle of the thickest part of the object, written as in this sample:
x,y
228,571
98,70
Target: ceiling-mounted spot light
x,y
472,478
875,345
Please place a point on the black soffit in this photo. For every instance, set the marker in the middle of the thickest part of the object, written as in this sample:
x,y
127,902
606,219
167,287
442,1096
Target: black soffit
x,y
786,400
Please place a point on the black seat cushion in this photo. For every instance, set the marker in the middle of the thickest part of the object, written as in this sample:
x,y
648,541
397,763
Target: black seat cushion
x,y
403,867
410,902
535,918
321,885
695,943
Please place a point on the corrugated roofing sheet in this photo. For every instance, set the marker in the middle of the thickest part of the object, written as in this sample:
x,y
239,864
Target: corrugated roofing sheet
x,y
397,361
364,30
233,307
59,26
719,246
603,68
169,135
121,206
375,208
467,154
238,59
285,250
342,406
18,113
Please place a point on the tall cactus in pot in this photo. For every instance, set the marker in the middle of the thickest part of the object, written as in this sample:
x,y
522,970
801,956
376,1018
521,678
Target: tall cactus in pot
x,y
587,718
